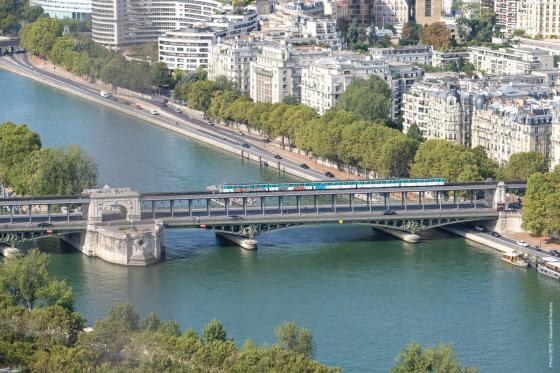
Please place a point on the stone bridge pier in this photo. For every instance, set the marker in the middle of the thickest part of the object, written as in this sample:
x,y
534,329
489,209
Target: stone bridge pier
x,y
130,243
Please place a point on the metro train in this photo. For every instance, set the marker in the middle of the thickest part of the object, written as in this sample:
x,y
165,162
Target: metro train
x,y
326,185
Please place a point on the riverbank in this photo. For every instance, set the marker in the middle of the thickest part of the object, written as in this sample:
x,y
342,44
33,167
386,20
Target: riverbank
x,y
190,130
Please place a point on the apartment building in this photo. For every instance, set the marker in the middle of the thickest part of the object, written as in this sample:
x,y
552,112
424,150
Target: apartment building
x,y
505,127
445,59
428,11
417,54
232,59
325,79
393,12
554,158
552,46
118,23
75,9
539,18
276,72
507,61
189,48
449,116
506,15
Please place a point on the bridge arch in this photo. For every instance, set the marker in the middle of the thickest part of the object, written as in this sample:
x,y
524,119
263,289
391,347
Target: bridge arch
x,y
120,203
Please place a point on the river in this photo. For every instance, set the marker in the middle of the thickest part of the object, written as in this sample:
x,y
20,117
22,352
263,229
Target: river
x,y
363,295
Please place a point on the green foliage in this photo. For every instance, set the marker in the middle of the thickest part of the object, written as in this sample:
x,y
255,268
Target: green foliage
x,y
16,143
436,34
54,171
370,99
451,161
294,339
14,12
478,28
522,165
415,133
417,359
124,317
39,37
541,205
160,76
214,331
410,34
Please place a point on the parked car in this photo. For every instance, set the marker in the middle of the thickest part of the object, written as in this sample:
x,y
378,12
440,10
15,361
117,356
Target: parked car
x,y
496,234
154,112
138,107
177,110
278,156
522,243
329,174
389,212
44,225
246,145
554,253
266,140
479,228
304,166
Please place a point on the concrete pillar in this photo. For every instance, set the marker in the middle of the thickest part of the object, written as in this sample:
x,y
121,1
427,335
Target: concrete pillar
x,y
351,198
421,199
369,203
475,197
189,202
404,201
439,199
456,197
262,205
385,200
153,209
49,212
226,206
316,203
11,214
298,203
333,202
281,205
500,195
67,212
244,205
172,208
30,207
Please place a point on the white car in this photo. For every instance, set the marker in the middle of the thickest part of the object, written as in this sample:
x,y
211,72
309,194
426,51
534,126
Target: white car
x,y
521,243
480,228
154,112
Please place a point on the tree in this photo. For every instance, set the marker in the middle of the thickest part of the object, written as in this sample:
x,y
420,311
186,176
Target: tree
x,y
436,34
54,171
342,25
32,13
522,165
452,161
410,33
124,317
294,339
416,359
200,94
214,331
540,205
290,100
415,133
370,99
159,75
16,143
25,282
39,37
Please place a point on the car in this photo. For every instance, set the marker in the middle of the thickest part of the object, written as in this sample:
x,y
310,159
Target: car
x,y
138,107
389,212
266,140
241,133
479,228
177,110
521,243
210,123
154,112
44,225
496,234
246,145
235,217
304,166
278,156
329,174
554,253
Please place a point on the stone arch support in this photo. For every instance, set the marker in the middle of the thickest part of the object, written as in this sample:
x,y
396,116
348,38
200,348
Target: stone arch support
x,y
107,199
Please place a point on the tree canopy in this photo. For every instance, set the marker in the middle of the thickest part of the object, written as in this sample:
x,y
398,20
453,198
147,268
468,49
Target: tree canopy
x,y
417,359
541,204
451,161
522,165
16,143
436,34
370,99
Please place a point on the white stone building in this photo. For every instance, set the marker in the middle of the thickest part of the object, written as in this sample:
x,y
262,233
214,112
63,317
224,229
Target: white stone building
x,y
539,18
232,59
555,137
506,15
506,61
444,59
276,73
118,23
393,12
189,48
505,127
76,9
417,54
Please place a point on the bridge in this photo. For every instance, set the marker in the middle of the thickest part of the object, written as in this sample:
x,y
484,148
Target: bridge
x,y
133,217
